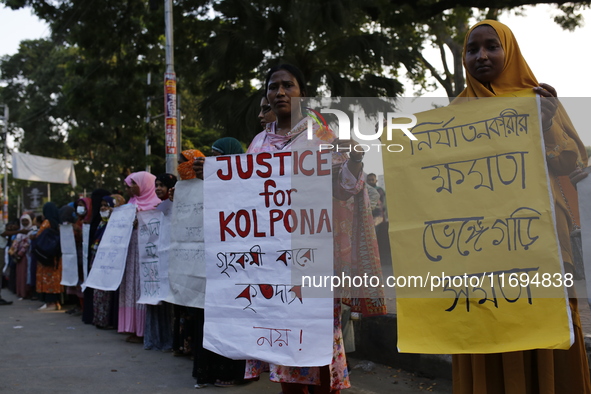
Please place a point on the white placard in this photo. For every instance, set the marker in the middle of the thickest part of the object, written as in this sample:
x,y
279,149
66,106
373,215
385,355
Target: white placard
x,y
186,271
69,256
109,263
85,247
153,277
269,223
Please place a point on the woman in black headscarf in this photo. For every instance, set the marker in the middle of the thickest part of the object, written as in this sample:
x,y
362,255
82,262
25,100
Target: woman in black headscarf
x,y
50,276
104,310
227,146
96,198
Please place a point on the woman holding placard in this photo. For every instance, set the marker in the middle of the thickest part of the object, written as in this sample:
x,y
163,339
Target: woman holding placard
x,y
495,67
140,186
283,83
102,301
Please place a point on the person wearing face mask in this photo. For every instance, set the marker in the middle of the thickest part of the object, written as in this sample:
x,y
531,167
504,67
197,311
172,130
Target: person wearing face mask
x,y
83,210
102,300
95,220
83,214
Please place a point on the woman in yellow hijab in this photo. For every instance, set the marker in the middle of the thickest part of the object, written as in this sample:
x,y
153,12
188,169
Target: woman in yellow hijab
x,y
495,67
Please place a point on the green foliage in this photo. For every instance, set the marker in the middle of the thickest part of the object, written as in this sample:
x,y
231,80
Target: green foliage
x,y
81,94
332,42
570,17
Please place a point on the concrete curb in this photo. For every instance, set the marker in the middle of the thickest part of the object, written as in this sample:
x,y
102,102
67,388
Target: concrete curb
x,y
376,338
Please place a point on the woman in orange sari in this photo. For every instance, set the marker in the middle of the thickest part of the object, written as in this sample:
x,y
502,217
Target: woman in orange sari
x,y
494,67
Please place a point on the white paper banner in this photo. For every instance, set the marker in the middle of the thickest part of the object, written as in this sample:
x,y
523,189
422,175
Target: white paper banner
x,y
85,246
266,228
109,263
69,256
186,271
164,250
153,277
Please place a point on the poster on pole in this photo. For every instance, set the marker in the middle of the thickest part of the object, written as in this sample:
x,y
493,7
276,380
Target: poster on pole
x,y
186,271
109,262
170,115
271,226
153,276
69,256
473,232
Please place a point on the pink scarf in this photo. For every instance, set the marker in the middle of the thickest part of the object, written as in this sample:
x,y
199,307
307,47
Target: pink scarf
x,y
147,199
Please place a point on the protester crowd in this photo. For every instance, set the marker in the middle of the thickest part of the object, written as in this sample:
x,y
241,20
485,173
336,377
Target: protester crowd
x,y
494,66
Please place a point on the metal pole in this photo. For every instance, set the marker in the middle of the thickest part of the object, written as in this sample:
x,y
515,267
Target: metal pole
x,y
170,111
179,135
5,211
148,106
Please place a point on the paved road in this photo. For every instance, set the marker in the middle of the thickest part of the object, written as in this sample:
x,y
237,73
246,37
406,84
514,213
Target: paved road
x,y
52,352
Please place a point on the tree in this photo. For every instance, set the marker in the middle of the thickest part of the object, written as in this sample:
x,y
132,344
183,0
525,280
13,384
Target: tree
x,y
332,42
82,93
446,32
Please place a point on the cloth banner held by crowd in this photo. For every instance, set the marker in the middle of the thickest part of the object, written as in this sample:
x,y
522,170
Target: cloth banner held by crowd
x,y
109,262
42,169
273,225
474,219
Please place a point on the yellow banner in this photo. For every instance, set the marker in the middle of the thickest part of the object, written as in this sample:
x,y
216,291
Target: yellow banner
x,y
471,220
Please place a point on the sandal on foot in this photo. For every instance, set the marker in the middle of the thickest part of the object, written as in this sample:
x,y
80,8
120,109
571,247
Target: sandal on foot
x,y
134,339
220,383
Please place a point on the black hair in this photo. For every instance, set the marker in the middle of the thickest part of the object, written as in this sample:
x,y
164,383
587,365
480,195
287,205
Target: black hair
x,y
293,70
167,180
